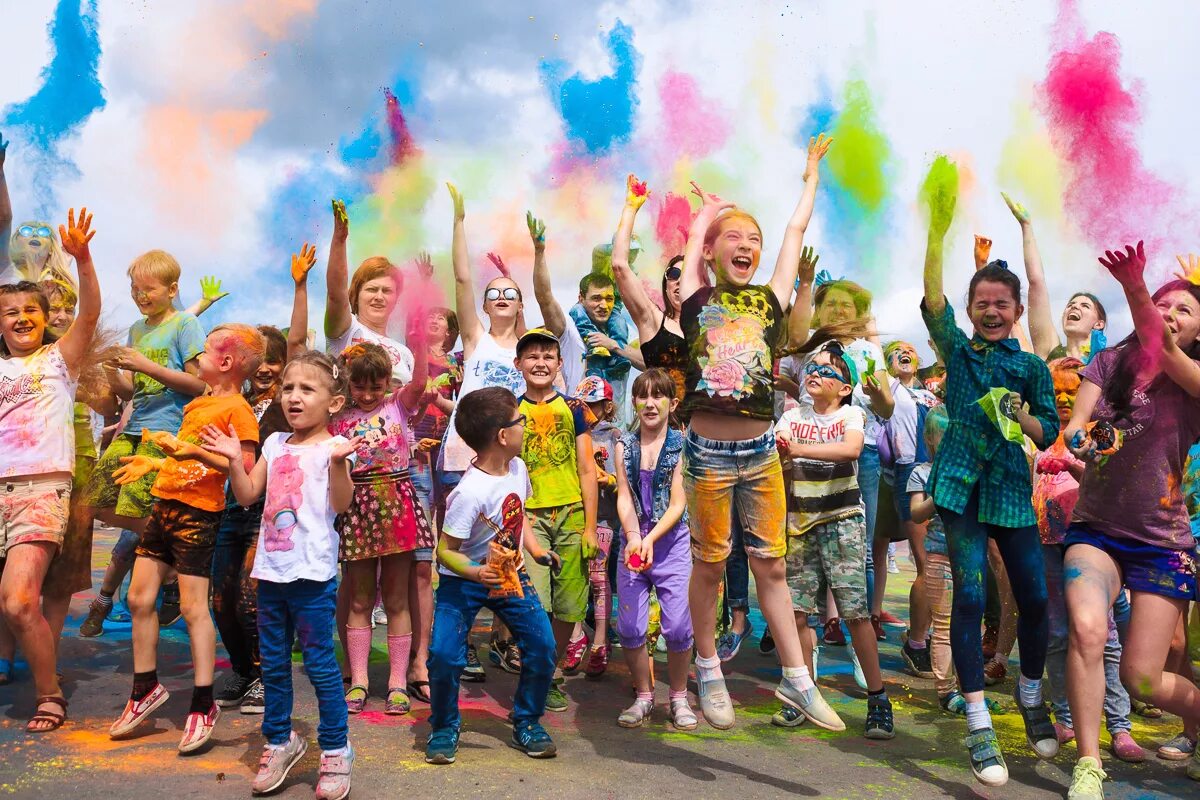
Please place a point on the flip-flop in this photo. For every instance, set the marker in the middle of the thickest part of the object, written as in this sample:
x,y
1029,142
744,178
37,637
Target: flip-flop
x,y
418,691
397,702
357,704
53,717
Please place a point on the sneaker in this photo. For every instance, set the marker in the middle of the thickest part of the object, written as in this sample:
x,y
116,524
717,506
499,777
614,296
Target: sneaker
x,y
917,661
555,699
94,624
1180,748
597,662
888,618
168,609
987,762
137,711
991,635
333,776
442,746
715,704
834,634
1087,780
1064,733
994,671
198,729
1126,749
276,763
573,657
120,614
255,701
473,671
1145,710
233,690
877,626
731,642
953,703
860,679
378,616
893,568
879,719
533,741
504,654
636,714
788,717
1193,767
1039,730
766,644
811,704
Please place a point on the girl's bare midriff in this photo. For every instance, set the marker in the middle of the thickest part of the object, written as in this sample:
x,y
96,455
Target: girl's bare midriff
x,y
725,428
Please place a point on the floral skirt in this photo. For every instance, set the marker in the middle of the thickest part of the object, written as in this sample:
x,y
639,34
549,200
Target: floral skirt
x,y
385,518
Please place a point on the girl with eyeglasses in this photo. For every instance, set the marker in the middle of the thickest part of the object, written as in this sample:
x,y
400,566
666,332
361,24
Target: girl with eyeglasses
x,y
32,252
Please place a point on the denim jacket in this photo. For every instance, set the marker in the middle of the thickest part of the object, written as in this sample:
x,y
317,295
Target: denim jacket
x,y
668,457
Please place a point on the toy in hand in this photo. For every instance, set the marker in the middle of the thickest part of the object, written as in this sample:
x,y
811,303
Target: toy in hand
x,y
1106,437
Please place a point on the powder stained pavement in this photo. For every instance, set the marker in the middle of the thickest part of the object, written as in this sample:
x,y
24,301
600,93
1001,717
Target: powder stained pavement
x,y
596,758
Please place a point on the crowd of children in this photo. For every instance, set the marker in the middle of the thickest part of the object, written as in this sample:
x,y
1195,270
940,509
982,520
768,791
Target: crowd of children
x,y
651,452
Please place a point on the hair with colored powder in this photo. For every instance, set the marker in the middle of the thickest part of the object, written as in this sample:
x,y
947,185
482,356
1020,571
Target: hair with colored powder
x,y
62,290
28,287
717,225
890,349
157,264
1065,374
1100,312
859,295
995,272
371,269
936,423
481,415
366,362
243,342
595,280
316,360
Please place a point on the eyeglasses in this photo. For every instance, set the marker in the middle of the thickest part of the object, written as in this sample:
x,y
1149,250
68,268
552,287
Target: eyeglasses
x,y
29,231
673,273
520,420
508,294
823,371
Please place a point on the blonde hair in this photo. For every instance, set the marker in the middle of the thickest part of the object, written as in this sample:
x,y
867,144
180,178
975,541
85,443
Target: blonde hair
x,y
245,343
715,227
157,264
66,291
369,270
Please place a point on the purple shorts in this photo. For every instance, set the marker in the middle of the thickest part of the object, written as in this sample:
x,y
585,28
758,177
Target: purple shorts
x,y
670,575
1144,567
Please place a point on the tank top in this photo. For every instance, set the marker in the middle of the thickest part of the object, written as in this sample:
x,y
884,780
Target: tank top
x,y
489,365
667,350
37,411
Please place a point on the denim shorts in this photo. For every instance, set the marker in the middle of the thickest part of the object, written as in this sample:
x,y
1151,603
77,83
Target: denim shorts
x,y
900,499
739,477
1144,567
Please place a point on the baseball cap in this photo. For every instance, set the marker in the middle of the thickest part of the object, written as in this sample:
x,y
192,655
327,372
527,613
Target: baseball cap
x,y
538,334
593,389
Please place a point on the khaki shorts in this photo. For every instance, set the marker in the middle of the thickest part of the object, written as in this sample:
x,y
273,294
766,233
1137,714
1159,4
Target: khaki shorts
x,y
833,555
564,594
33,510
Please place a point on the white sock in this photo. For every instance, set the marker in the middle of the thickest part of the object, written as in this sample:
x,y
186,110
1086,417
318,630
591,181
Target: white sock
x,y
1030,691
708,669
798,677
978,717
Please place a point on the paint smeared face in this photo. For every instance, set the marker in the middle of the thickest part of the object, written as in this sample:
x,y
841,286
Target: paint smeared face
x,y
61,315
654,409
307,397
22,322
1181,313
598,303
266,376
1066,386
30,246
367,395
819,379
994,311
502,308
903,361
735,252
837,305
152,296
376,299
539,363
215,359
1081,317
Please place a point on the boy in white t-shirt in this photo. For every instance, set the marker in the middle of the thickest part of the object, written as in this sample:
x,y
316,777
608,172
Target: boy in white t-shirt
x,y
827,530
481,565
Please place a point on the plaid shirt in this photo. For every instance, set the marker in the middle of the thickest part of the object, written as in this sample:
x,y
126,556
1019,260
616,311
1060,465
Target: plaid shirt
x,y
973,451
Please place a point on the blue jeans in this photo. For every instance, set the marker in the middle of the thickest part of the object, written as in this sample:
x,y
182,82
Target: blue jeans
x,y
868,485
307,608
1021,549
737,571
458,601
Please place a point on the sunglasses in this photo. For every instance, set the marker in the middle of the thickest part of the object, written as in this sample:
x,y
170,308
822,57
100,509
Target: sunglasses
x,y
29,231
520,420
508,294
673,273
823,371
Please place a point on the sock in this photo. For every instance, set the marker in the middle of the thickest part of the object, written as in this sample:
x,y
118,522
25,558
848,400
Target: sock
x,y
143,684
358,643
398,650
917,644
646,697
978,717
708,669
679,697
878,697
798,677
202,700
104,599
1030,691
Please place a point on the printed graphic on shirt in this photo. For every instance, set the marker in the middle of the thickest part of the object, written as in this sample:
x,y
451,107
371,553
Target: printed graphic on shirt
x,y
512,519
497,373
735,356
284,498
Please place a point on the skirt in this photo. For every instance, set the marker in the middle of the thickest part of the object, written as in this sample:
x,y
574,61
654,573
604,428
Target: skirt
x,y
385,518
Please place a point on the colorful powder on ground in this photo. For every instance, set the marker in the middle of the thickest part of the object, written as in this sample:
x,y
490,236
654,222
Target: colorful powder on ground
x,y
70,93
939,191
674,217
1029,168
693,125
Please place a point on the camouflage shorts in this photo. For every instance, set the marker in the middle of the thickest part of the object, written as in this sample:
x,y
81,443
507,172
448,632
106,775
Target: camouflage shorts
x,y
830,555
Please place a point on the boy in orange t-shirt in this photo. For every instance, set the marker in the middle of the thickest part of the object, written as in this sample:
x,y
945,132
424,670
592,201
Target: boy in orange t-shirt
x,y
181,532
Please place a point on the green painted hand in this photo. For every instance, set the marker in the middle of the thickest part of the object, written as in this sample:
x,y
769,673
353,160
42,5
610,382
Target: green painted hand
x,y
210,289
460,211
1019,211
537,228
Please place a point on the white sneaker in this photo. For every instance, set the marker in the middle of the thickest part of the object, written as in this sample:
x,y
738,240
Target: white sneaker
x,y
859,678
715,704
378,616
811,704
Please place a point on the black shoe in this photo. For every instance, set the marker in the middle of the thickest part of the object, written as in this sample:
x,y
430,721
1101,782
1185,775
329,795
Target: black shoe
x,y
234,690
505,655
168,609
879,719
473,672
255,701
767,643
917,660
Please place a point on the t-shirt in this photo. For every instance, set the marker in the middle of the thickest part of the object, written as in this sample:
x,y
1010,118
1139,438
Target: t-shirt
x,y
1054,495
1136,492
357,333
194,482
484,507
604,447
863,353
732,334
490,364
37,409
171,343
297,540
386,445
549,449
935,534
822,491
905,416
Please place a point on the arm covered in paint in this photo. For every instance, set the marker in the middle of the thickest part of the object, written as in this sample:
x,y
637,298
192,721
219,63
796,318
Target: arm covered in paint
x,y
337,274
210,292
939,193
589,490
297,336
76,239
783,280
552,313
692,277
645,315
800,317
469,325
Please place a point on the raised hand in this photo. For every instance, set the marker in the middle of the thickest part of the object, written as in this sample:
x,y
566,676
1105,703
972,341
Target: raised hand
x,y
713,204
343,450
210,289
1190,266
983,249
939,192
636,192
75,237
136,467
537,230
1127,267
424,266
303,261
1019,211
808,265
3,149
818,146
460,212
223,443
499,264
341,221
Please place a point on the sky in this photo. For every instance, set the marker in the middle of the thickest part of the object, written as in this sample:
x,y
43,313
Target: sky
x,y
220,131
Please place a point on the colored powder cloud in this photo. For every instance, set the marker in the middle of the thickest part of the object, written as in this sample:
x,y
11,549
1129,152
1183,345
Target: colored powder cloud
x,y
70,93
693,125
939,191
599,114
673,219
1029,168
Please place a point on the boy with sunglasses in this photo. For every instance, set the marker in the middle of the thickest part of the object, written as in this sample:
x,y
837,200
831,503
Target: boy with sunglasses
x,y
827,531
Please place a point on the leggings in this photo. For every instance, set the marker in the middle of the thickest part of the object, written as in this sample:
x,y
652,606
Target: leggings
x,y
1021,550
598,575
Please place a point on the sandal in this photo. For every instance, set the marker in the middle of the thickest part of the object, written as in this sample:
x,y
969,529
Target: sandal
x,y
55,718
397,702
356,699
418,691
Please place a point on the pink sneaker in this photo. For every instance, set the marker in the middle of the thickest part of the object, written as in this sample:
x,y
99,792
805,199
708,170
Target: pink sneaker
x,y
333,781
137,711
1126,749
1063,733
198,729
574,655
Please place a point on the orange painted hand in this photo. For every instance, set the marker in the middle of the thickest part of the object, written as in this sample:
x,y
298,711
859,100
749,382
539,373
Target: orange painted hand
x,y
499,264
75,237
818,146
1127,267
136,468
1019,211
302,262
537,230
983,249
341,221
1190,269
636,192
426,445
460,211
168,443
